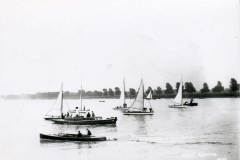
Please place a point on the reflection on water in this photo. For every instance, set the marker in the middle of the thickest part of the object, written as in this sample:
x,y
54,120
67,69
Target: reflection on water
x,y
209,131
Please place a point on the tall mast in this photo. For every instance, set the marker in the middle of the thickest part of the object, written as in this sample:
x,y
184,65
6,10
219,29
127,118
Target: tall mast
x,y
61,92
182,92
143,91
124,99
81,97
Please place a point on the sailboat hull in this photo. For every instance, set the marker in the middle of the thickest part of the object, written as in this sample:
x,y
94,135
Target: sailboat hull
x,y
177,106
52,117
120,108
137,113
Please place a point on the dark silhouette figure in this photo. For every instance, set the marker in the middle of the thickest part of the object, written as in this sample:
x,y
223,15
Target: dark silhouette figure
x,y
93,115
150,109
89,132
79,134
88,115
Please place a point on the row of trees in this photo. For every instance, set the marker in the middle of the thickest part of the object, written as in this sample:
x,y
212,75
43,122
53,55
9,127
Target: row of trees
x,y
169,91
188,89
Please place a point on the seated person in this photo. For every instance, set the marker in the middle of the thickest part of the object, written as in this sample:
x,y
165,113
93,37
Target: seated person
x,y
79,134
185,103
93,115
88,115
89,132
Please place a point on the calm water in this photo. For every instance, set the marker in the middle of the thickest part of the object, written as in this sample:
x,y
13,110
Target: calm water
x,y
207,132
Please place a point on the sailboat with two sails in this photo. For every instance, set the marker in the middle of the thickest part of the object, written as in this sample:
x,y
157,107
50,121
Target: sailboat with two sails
x,y
79,116
138,106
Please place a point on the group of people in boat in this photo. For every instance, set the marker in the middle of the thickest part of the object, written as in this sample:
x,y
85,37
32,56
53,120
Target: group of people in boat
x,y
89,133
145,109
90,115
77,113
124,106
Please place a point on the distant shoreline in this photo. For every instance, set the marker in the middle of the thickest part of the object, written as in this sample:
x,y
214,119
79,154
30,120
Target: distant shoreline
x,y
162,96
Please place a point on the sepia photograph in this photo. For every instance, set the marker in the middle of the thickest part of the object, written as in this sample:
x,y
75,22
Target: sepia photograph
x,y
120,79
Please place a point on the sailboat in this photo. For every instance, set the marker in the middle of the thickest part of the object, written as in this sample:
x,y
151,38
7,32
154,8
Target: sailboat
x,y
138,106
178,100
149,96
122,99
60,113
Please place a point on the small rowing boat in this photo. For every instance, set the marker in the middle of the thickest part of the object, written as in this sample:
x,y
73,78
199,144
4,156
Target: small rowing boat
x,y
71,137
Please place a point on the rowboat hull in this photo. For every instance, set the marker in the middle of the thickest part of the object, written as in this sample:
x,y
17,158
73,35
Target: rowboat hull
x,y
72,137
86,121
120,108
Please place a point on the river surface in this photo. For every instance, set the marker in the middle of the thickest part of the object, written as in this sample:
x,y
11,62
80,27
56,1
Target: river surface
x,y
207,132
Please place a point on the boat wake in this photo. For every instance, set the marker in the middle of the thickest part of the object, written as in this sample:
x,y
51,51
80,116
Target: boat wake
x,y
214,143
184,143
112,139
145,141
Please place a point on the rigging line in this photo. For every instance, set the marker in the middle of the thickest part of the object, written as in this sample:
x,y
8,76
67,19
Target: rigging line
x,y
53,106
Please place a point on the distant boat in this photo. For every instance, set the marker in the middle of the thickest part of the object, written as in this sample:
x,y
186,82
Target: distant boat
x,y
191,103
178,101
138,106
70,137
149,96
122,100
101,101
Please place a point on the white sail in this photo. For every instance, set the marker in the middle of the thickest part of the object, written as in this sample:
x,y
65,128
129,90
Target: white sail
x,y
139,101
122,96
81,97
149,96
178,99
60,98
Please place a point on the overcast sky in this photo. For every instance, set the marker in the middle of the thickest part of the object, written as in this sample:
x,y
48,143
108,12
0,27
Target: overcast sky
x,y
98,42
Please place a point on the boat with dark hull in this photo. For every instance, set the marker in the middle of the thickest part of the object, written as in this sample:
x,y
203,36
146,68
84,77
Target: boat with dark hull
x,y
86,121
191,103
71,137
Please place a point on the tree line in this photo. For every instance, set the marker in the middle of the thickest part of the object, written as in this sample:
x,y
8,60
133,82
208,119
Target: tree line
x,y
189,91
